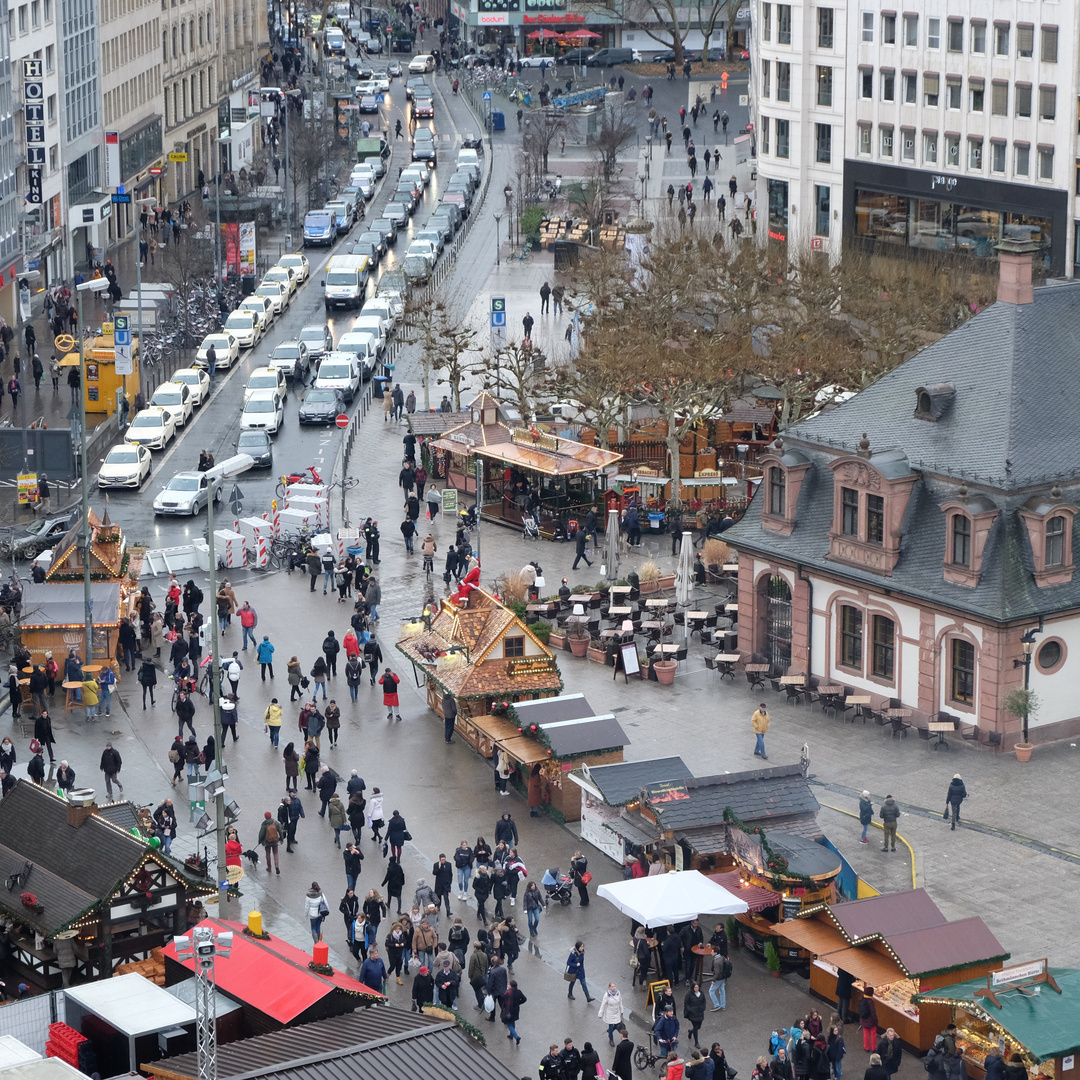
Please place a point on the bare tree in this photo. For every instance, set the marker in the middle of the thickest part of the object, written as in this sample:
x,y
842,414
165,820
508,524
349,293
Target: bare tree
x,y
539,133
669,22
447,345
185,263
517,371
587,384
616,129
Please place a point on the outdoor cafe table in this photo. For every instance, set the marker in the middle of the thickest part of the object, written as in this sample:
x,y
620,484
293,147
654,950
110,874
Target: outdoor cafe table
x,y
731,607
792,680
725,662
830,697
941,727
621,590
700,952
620,612
667,649
756,667
730,568
581,598
658,603
857,699
581,619
898,712
542,608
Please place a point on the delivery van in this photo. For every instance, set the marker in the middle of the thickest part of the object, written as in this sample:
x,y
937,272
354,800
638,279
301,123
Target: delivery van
x,y
345,281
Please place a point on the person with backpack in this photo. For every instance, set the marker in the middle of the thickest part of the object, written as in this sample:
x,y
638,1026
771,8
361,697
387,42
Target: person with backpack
x,y
331,647
148,680
889,814
269,839
956,794
868,1020
373,657
721,968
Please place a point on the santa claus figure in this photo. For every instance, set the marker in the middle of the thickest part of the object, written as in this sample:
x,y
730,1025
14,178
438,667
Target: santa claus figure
x,y
469,582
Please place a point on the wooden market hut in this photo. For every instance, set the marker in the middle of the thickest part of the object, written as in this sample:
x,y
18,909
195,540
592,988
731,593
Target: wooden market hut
x,y
513,459
900,944
71,868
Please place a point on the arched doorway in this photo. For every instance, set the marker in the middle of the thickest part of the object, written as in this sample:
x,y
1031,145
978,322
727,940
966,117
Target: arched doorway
x,y
778,623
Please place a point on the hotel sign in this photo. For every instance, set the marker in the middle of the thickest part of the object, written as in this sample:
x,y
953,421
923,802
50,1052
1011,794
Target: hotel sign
x,y
34,120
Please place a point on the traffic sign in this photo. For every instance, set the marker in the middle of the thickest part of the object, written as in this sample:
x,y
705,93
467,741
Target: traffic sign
x,y
121,198
487,95
498,303
379,99
155,170
342,420
498,318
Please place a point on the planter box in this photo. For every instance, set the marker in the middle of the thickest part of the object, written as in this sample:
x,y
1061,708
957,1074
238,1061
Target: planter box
x,y
665,671
599,656
557,641
579,646
667,581
649,587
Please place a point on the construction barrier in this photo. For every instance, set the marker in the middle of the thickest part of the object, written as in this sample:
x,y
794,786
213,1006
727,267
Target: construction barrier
x,y
230,548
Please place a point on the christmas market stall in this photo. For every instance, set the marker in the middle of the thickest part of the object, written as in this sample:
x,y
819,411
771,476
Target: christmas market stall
x,y
899,944
521,469
1031,1010
83,893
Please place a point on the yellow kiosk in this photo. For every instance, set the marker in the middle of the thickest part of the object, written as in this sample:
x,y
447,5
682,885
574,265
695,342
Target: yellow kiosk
x,y
101,381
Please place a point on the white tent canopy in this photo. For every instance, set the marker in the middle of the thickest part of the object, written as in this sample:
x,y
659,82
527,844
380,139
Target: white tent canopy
x,y
671,898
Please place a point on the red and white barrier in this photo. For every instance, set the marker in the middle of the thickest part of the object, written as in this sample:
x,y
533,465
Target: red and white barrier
x,y
346,538
319,507
260,551
306,491
230,548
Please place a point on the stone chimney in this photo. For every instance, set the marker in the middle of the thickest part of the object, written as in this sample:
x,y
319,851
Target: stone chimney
x,y
79,815
1014,271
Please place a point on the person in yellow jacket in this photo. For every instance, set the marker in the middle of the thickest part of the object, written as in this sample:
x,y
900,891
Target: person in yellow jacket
x,y
272,717
90,698
760,723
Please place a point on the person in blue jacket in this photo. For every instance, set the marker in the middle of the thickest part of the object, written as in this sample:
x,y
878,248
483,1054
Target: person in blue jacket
x,y
666,1030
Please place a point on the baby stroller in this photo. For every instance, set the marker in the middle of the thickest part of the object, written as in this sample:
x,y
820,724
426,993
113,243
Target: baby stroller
x,y
531,529
557,886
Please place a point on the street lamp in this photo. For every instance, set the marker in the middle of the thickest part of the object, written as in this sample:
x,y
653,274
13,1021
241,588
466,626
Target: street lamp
x,y
202,946
94,285
149,203
498,244
648,143
234,466
643,180
1027,643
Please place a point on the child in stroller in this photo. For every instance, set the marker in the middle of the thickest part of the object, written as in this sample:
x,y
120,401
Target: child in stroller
x,y
558,886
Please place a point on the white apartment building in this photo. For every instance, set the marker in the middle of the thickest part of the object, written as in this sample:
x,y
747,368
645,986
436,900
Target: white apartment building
x,y
942,125
33,37
131,97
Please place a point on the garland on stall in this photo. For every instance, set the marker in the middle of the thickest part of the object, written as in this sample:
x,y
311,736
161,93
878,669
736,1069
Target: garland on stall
x,y
321,969
776,866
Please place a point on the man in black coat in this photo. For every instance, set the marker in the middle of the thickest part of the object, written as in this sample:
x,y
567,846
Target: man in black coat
x,y
690,935
327,785
671,955
506,830
185,712
623,1063
443,872
110,765
331,647
580,540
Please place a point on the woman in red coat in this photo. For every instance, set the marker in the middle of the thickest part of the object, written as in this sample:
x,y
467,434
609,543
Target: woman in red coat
x,y
233,849
389,682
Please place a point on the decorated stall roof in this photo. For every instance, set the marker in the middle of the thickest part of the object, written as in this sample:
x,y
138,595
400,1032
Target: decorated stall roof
x,y
106,552
1046,1024
757,898
621,783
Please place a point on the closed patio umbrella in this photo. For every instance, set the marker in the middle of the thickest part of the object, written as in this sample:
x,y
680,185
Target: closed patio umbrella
x,y
684,580
611,536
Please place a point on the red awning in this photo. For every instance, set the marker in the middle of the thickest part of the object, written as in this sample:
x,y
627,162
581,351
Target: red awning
x,y
271,976
583,34
756,899
541,35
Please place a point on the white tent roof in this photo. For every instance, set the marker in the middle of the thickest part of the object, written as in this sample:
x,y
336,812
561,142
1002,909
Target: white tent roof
x,y
132,1004
671,898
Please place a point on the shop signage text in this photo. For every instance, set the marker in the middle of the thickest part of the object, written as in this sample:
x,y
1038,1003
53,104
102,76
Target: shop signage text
x,y
532,437
947,182
34,116
568,17
531,665
666,791
1018,973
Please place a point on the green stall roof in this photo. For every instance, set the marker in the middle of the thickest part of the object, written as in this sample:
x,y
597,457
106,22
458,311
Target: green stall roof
x,y
1047,1023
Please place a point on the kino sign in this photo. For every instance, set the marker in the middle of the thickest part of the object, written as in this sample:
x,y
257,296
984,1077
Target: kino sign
x,y
34,117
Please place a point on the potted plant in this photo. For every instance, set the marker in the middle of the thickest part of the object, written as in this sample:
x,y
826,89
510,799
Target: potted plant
x,y
557,638
531,219
665,671
732,928
578,636
649,577
772,958
1023,704
597,652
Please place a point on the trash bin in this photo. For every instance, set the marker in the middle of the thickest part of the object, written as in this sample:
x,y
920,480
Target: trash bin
x,y
247,284
498,121
377,385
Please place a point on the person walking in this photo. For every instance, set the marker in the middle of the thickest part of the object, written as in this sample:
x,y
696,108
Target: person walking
x,y
760,723
292,767
575,970
176,759
264,654
394,880
316,909
866,815
890,1051
165,822
889,814
876,1071
694,1010
482,886
397,833
148,679
580,541
43,732
496,983
510,1010
330,648
579,871
526,325
294,674
622,1064
110,765
721,967
611,1011
389,682
534,902
956,794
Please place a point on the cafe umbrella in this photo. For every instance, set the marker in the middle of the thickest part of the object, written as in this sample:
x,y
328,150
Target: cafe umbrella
x,y
684,580
611,538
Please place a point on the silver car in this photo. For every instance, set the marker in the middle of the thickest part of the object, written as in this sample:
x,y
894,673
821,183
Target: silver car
x,y
187,493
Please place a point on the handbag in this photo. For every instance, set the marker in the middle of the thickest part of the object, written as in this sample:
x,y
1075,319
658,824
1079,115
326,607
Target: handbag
x,y
586,877
634,962
569,975
415,965
945,816
324,909
174,756
406,836
385,848
489,1003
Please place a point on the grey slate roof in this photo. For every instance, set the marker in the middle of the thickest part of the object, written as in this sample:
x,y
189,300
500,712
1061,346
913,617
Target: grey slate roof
x,y
621,783
74,869
1017,380
1012,420
370,1044
758,795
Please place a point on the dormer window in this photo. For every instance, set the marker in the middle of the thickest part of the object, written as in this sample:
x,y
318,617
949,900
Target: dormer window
x,y
968,519
961,538
849,499
784,472
777,491
932,402
1050,523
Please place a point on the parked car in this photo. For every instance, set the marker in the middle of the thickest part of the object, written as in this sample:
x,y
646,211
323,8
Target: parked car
x,y
175,397
124,467
322,405
277,293
611,57
256,442
297,261
152,427
317,338
30,540
423,147
437,237
576,56
369,104
420,64
283,275
196,380
386,229
411,86
187,493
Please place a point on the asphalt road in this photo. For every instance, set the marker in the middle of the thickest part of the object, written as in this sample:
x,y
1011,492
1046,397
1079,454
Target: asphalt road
x,y
216,423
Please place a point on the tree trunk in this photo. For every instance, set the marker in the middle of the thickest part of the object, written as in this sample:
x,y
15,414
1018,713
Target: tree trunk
x,y
673,442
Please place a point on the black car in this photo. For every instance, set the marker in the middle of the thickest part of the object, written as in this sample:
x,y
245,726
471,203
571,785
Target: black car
x,y
576,56
376,239
321,406
387,229
256,442
365,247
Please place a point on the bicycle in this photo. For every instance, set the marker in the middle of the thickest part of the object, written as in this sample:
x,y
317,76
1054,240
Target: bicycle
x,y
521,254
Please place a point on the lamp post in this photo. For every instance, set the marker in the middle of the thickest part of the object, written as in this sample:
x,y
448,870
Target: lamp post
x,y
1027,643
94,285
498,243
234,466
648,143
24,283
643,180
222,140
149,203
203,945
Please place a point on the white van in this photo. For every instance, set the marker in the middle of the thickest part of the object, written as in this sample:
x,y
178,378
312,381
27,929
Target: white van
x,y
339,371
335,41
363,345
372,324
345,281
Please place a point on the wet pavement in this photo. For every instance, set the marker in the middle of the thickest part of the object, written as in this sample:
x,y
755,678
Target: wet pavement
x,y
1017,821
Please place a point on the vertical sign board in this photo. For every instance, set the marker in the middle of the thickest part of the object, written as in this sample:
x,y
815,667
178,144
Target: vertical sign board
x,y
122,344
34,116
112,158
498,323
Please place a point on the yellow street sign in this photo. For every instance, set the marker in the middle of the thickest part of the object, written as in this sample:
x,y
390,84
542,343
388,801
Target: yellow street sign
x,y
177,157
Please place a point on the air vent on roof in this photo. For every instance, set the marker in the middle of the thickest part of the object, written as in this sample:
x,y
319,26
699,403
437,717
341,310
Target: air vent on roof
x,y
932,402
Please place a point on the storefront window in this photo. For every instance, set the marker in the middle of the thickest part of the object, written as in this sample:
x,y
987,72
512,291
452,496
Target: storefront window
x,y
822,202
778,209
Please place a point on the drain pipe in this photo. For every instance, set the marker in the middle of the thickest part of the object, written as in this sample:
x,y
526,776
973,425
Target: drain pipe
x,y
810,619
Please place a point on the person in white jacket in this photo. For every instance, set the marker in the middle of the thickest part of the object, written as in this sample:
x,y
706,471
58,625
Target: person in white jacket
x,y
317,909
611,1011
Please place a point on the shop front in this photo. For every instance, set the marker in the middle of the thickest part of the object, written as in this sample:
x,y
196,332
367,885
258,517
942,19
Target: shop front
x,y
899,945
889,208
1031,1010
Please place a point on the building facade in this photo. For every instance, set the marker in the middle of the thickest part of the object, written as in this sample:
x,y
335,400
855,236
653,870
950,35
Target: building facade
x,y
9,194
942,127
131,98
902,544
